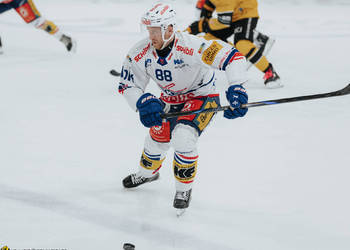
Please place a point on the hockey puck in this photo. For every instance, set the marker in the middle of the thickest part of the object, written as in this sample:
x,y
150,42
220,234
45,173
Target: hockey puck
x,y
114,73
128,246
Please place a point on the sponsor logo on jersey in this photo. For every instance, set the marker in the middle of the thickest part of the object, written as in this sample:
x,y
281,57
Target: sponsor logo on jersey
x,y
177,98
210,53
167,89
185,50
162,61
163,10
201,48
148,63
178,61
122,87
126,75
150,97
142,53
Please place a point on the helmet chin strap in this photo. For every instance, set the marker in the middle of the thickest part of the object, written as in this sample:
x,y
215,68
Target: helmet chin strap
x,y
165,41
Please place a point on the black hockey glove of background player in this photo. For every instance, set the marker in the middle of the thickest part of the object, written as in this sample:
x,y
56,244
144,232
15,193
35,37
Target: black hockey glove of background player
x,y
198,27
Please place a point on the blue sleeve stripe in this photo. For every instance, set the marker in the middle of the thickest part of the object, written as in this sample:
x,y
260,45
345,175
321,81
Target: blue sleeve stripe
x,y
233,52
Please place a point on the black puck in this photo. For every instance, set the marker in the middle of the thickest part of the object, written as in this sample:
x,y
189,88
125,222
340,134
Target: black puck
x,y
128,246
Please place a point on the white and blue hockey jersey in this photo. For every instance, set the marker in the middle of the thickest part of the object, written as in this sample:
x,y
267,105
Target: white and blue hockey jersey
x,y
186,72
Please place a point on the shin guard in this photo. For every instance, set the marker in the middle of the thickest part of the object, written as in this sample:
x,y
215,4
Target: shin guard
x,y
185,169
150,164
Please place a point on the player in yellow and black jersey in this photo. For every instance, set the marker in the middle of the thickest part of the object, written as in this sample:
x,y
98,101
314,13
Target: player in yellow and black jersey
x,y
238,18
30,14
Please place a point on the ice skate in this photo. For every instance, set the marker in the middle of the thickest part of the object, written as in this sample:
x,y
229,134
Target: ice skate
x,y
272,79
135,180
69,42
182,201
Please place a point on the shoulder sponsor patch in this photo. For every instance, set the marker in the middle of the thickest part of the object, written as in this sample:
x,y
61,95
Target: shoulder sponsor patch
x,y
210,53
139,56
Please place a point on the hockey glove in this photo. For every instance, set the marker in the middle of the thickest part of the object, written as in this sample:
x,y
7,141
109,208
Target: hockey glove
x,y
198,27
236,95
150,108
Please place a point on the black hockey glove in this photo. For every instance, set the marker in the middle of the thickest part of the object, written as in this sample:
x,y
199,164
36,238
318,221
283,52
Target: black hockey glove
x,y
198,27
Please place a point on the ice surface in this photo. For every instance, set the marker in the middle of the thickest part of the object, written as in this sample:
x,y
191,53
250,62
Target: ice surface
x,y
276,180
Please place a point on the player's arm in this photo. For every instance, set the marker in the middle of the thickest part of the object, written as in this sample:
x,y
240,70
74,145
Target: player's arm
x,y
207,10
222,56
133,81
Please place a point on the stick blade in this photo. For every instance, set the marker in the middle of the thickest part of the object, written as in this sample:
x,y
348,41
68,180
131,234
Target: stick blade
x,y
345,90
113,72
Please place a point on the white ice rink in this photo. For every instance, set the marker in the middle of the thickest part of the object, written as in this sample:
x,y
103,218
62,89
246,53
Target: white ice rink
x,y
278,179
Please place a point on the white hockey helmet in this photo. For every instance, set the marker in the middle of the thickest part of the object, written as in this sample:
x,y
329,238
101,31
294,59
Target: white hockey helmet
x,y
160,15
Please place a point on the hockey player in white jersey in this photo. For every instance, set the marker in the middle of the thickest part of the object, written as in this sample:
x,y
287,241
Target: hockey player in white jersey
x,y
182,65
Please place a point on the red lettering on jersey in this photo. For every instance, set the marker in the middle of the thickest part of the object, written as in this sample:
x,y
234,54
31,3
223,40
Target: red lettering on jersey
x,y
165,8
177,98
143,52
185,50
155,7
169,86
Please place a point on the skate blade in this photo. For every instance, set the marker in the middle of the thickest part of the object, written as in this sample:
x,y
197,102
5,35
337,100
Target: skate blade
x,y
274,84
180,212
74,47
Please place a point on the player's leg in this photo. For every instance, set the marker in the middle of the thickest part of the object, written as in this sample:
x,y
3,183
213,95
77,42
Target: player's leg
x,y
243,40
184,141
155,147
30,14
263,41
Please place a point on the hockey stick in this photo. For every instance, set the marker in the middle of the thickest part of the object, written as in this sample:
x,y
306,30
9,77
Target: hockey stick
x,y
340,92
113,72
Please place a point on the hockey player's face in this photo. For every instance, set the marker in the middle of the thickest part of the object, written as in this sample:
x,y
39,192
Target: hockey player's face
x,y
155,35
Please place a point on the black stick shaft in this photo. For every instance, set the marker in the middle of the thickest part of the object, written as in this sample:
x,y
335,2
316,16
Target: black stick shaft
x,y
340,92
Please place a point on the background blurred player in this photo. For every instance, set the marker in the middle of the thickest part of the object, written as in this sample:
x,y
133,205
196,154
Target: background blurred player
x,y
182,65
30,14
238,18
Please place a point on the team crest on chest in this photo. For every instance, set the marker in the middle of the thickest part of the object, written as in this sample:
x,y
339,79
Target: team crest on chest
x,y
162,61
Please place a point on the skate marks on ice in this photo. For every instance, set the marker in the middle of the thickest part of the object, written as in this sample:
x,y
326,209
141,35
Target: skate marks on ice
x,y
107,219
